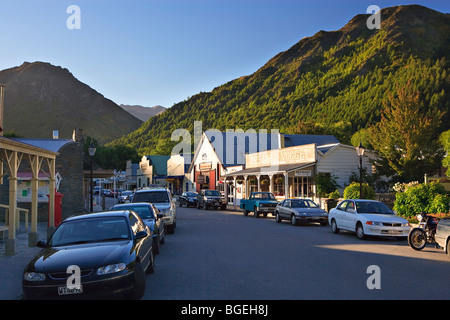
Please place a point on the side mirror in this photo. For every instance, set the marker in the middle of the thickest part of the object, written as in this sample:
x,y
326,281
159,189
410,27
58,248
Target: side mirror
x,y
140,235
41,244
159,216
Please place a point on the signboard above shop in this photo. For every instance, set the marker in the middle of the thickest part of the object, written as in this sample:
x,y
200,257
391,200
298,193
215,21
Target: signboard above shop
x,y
291,155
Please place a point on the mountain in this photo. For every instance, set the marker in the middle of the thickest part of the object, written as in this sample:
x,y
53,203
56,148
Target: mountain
x,y
40,98
143,113
331,83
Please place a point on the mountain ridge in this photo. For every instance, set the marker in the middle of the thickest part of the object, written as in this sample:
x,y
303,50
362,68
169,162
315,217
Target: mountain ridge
x,y
41,97
337,79
141,112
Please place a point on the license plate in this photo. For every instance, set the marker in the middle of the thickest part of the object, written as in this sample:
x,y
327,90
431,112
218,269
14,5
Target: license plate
x,y
66,291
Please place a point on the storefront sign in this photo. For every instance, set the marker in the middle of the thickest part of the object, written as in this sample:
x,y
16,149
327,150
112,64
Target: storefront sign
x,y
205,166
291,155
303,173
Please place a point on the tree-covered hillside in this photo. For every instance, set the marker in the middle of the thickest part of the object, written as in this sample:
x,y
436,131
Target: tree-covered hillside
x,y
331,83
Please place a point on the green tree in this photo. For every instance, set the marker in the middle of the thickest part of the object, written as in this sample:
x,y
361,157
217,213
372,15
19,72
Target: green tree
x,y
110,157
406,136
445,141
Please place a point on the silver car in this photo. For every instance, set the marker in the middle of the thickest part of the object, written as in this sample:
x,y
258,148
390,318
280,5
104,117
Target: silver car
x,y
300,210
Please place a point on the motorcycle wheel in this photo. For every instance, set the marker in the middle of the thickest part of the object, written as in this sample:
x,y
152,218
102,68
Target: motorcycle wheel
x,y
417,239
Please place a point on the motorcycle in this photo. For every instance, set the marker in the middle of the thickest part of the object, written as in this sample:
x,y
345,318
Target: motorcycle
x,y
425,232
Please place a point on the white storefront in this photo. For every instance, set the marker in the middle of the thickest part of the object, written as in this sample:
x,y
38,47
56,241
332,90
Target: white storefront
x,y
237,163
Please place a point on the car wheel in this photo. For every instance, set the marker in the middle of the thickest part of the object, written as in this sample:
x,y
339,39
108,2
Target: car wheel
x,y
334,227
163,236
151,265
245,212
170,229
293,220
277,217
139,281
360,231
448,249
156,245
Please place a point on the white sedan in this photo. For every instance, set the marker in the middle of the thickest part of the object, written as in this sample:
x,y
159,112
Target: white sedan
x,y
367,218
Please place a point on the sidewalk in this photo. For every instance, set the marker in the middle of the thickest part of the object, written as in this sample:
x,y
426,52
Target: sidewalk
x,y
11,267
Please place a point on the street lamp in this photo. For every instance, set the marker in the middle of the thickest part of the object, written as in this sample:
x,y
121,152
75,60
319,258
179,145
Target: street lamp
x,y
91,150
360,152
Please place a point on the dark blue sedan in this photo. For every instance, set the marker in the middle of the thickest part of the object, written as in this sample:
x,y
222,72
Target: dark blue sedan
x,y
151,217
95,255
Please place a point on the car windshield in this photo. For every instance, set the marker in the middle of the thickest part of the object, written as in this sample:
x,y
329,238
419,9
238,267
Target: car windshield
x,y
372,207
90,230
267,196
144,212
303,204
125,193
191,194
153,197
212,193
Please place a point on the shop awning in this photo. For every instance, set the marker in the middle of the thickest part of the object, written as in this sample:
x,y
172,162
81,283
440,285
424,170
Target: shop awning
x,y
269,170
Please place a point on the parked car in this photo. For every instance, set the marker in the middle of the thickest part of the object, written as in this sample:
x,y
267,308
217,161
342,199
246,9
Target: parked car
x,y
442,235
300,210
151,217
112,251
188,199
211,198
124,196
259,202
162,199
367,218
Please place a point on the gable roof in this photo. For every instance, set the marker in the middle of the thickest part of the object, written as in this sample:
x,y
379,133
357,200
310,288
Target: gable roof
x,y
159,163
53,145
291,140
231,147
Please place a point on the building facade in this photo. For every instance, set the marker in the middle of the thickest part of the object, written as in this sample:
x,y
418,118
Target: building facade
x,y
237,163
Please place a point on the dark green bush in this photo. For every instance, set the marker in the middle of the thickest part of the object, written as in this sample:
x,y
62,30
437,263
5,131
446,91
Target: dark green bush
x,y
426,197
352,191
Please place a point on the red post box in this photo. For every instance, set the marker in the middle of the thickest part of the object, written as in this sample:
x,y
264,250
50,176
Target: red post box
x,y
58,209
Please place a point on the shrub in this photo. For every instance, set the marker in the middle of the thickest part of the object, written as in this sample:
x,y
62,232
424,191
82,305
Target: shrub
x,y
427,197
352,191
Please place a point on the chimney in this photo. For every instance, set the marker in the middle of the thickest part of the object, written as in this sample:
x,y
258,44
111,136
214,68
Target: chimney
x,y
2,106
77,135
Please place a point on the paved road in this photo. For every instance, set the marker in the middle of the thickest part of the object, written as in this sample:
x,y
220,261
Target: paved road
x,y
222,255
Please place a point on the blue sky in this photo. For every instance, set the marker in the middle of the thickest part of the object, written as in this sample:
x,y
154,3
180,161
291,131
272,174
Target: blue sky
x,y
151,52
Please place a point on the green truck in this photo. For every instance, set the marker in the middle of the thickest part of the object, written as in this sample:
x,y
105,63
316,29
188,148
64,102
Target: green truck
x,y
260,203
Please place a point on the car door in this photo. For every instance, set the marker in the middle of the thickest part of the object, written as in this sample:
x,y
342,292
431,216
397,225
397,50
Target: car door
x,y
285,208
349,217
143,245
338,213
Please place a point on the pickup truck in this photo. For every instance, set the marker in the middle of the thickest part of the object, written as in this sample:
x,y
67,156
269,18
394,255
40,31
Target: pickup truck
x,y
442,235
259,202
